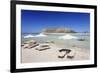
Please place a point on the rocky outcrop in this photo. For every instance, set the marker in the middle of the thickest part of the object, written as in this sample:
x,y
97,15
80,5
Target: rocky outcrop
x,y
29,44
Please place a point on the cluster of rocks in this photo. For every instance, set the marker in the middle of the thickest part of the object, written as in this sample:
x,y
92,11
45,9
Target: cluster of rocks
x,y
67,52
30,44
33,44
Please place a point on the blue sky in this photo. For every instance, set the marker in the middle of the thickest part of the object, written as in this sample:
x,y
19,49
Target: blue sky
x,y
35,21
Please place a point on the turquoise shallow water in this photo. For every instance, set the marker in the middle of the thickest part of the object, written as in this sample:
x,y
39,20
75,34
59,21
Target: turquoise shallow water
x,y
65,43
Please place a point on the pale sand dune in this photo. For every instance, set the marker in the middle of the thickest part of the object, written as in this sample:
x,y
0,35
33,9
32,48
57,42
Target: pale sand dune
x,y
51,55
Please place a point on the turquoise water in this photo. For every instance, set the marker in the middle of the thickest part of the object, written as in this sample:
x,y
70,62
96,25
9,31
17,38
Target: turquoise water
x,y
65,43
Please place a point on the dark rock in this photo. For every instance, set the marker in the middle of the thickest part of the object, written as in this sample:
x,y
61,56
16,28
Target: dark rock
x,y
70,57
42,49
62,56
66,50
44,45
81,39
32,46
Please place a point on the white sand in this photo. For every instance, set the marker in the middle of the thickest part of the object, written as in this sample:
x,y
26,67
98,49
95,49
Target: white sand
x,y
49,55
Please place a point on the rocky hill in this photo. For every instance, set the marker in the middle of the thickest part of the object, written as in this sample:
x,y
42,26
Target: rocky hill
x,y
58,30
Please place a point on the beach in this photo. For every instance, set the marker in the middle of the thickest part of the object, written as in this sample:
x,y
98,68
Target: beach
x,y
52,54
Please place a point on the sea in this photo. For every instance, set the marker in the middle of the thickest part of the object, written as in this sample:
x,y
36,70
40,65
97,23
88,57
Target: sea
x,y
42,38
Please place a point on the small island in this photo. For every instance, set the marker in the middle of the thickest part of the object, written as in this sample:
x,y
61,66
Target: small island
x,y
58,30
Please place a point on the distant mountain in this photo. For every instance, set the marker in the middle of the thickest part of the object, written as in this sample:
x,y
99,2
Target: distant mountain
x,y
58,30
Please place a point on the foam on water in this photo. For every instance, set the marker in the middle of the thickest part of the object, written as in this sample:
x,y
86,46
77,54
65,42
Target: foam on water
x,y
67,36
28,36
39,35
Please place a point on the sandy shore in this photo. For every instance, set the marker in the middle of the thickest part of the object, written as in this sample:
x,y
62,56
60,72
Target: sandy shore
x,y
51,55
